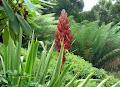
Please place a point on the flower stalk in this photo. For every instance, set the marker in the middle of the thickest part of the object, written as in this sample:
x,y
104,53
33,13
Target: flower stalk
x,y
63,33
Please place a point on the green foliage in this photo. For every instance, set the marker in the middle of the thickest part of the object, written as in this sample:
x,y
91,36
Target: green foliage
x,y
86,15
85,81
15,15
105,11
91,84
72,7
34,72
12,19
80,69
20,73
25,68
96,43
78,64
43,26
24,25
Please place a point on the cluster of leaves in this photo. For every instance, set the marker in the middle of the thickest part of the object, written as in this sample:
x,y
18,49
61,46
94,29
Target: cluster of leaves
x,y
43,26
72,7
21,71
96,44
15,15
12,19
77,64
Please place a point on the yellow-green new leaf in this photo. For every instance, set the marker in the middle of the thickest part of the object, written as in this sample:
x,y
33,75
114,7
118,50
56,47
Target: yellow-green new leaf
x,y
59,80
117,83
85,81
103,82
46,64
72,81
58,67
5,36
31,57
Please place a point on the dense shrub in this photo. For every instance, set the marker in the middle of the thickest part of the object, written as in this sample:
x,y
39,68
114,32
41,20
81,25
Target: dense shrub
x,y
96,44
78,64
26,68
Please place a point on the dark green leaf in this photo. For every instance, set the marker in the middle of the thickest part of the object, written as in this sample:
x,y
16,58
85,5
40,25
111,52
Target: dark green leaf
x,y
8,10
14,26
13,22
25,26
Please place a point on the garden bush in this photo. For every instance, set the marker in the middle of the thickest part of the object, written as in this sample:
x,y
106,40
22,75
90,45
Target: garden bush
x,y
78,64
95,44
30,67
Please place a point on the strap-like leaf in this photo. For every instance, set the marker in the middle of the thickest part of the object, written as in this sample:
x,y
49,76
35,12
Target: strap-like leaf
x,y
31,57
72,81
24,25
5,37
14,25
13,22
58,67
116,84
58,82
8,10
103,82
3,65
46,64
85,81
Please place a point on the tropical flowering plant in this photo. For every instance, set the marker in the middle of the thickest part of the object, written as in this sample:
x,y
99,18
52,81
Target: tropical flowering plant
x,y
63,33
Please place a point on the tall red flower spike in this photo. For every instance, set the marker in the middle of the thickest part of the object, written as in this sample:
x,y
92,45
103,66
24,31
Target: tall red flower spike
x,y
63,33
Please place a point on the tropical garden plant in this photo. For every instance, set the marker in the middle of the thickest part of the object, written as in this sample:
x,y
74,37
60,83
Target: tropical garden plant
x,y
21,71
30,67
98,45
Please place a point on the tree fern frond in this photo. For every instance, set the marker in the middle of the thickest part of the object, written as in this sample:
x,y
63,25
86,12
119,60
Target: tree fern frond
x,y
109,56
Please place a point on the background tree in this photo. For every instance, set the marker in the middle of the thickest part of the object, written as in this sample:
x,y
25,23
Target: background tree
x,y
115,12
105,11
73,7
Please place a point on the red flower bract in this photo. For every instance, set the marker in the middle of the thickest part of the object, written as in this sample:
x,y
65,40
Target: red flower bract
x,y
63,33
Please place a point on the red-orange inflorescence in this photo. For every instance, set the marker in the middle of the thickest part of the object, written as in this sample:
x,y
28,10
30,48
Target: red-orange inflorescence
x,y
63,33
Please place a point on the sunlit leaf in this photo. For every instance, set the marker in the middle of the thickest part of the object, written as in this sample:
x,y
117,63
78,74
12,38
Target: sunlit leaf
x,y
5,37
